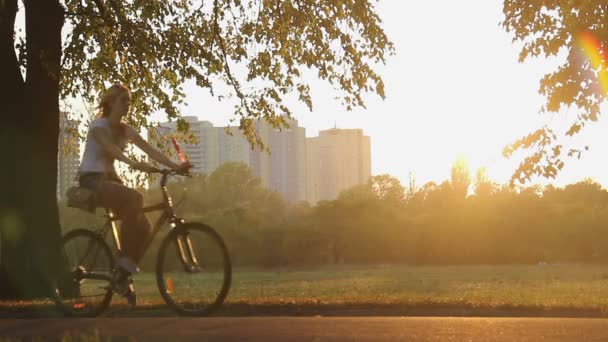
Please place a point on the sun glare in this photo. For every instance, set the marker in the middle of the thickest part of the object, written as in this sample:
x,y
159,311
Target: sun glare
x,y
597,57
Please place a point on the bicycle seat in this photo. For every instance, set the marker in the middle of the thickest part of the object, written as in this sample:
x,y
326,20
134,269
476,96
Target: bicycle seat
x,y
82,198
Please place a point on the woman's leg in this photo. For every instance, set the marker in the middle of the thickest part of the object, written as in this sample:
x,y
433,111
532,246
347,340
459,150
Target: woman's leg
x,y
127,204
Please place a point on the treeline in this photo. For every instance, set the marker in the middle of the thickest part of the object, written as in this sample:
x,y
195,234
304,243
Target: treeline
x,y
460,221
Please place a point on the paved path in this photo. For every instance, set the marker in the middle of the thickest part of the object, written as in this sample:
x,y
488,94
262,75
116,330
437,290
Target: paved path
x,y
314,329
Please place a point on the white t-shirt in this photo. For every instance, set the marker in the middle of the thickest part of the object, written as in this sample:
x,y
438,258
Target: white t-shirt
x,y
94,159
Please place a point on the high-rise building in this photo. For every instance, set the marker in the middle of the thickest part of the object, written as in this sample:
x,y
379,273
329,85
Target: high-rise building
x,y
213,147
68,156
283,169
288,161
204,154
260,160
233,147
336,160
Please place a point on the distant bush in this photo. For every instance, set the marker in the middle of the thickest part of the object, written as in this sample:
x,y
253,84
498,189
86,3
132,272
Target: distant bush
x,y
379,222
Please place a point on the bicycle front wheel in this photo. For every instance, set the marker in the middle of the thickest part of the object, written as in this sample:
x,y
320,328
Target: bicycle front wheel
x,y
193,270
87,290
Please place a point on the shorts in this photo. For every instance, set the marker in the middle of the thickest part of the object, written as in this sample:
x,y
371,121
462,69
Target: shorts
x,y
90,180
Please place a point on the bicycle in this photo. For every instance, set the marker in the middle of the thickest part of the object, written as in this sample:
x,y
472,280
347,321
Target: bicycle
x,y
185,262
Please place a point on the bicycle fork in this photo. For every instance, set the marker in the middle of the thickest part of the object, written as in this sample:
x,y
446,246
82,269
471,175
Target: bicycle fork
x,y
186,253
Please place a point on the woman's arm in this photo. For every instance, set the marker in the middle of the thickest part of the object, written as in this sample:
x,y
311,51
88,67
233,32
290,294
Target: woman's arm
x,y
149,150
105,140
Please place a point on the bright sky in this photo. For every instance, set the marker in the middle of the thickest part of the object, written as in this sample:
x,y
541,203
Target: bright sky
x,y
454,89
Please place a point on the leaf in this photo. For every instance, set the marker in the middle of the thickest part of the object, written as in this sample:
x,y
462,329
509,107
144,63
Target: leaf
x,y
256,52
544,29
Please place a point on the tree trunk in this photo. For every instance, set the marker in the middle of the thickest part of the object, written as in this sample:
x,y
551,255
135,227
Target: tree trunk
x,y
11,212
30,229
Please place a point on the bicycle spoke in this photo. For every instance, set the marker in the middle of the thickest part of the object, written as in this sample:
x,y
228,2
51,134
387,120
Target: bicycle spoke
x,y
91,263
186,286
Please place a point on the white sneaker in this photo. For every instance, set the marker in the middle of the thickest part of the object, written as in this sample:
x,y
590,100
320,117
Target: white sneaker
x,y
122,283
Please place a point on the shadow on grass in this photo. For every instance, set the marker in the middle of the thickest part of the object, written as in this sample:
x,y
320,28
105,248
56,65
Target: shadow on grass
x,y
24,310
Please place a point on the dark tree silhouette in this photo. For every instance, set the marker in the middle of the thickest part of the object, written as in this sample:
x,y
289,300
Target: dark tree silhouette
x,y
155,47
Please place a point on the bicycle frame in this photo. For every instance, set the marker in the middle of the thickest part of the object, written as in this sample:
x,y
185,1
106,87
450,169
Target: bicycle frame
x,y
105,270
184,244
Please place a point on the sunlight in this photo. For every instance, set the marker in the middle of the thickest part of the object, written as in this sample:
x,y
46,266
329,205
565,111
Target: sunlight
x,y
597,56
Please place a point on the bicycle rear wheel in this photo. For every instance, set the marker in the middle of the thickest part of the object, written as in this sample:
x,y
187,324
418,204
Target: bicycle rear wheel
x,y
193,270
88,290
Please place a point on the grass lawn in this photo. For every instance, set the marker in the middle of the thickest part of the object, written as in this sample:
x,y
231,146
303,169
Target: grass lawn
x,y
548,286
580,286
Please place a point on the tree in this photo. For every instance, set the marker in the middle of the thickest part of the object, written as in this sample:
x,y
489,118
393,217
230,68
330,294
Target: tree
x,y
461,178
254,52
388,189
412,187
384,188
358,194
547,28
29,136
428,188
233,185
586,191
483,184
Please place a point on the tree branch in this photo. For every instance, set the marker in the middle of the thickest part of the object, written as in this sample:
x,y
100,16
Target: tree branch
x,y
102,12
218,36
82,13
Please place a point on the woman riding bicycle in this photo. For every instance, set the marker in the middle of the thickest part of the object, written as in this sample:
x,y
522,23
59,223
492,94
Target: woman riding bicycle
x,y
106,140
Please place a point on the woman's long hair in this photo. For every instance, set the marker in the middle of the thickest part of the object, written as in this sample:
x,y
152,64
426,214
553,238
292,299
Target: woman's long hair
x,y
116,90
110,95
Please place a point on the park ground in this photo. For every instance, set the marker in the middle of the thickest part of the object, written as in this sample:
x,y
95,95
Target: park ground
x,y
391,290
373,329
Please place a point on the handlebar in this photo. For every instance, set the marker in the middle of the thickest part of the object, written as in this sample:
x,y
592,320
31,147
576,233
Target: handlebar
x,y
170,172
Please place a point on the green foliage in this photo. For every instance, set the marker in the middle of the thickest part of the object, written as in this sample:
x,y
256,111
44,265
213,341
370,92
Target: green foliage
x,y
257,52
376,223
546,28
388,189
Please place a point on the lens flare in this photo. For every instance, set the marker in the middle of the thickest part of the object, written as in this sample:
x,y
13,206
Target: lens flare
x,y
597,57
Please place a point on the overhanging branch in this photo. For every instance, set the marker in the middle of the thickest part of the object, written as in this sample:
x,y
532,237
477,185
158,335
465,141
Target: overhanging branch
x,y
217,35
